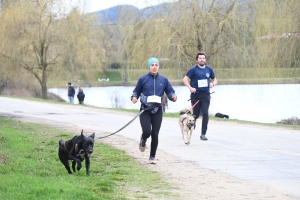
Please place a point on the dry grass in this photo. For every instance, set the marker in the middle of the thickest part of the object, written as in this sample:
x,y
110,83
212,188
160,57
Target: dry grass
x,y
293,121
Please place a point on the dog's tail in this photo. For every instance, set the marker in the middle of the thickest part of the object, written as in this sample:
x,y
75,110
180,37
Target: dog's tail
x,y
61,142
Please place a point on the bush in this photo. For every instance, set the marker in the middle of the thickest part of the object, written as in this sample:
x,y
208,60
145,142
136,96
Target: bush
x,y
115,65
293,120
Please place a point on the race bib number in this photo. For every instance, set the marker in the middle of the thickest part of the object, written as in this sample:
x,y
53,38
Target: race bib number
x,y
153,99
202,83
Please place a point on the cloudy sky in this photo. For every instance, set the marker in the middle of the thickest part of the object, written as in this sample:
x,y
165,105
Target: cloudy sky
x,y
95,5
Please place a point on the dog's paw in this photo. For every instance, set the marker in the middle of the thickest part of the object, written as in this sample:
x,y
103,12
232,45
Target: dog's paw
x,y
79,166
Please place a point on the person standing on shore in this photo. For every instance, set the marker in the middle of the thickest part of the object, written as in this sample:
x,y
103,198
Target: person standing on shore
x,y
80,95
199,79
71,92
150,89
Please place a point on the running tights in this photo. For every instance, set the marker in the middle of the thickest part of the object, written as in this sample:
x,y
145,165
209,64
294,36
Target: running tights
x,y
150,124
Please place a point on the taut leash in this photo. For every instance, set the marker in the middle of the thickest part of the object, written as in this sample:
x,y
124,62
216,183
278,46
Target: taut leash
x,y
192,107
128,122
196,103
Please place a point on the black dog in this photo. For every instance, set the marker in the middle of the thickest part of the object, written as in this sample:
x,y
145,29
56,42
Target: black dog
x,y
77,149
221,115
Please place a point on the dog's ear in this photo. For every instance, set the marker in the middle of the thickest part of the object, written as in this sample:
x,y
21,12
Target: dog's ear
x,y
82,136
92,136
194,116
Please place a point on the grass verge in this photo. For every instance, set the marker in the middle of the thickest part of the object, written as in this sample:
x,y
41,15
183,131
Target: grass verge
x,y
30,169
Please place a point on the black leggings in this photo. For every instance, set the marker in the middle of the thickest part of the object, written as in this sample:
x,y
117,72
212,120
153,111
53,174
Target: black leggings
x,y
150,124
202,106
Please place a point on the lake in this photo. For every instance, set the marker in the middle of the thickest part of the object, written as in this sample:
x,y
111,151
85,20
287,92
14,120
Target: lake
x,y
266,103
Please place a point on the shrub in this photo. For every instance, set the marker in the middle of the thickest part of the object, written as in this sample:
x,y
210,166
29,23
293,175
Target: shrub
x,y
115,65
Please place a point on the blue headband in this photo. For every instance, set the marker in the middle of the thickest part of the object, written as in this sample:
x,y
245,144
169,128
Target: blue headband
x,y
151,60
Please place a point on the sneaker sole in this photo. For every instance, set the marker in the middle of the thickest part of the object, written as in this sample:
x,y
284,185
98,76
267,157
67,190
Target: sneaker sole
x,y
152,162
142,149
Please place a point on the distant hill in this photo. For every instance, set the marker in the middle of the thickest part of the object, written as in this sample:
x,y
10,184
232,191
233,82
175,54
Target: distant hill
x,y
112,15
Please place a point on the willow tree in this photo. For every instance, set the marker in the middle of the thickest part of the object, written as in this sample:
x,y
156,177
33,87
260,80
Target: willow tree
x,y
4,75
38,36
84,53
278,37
177,31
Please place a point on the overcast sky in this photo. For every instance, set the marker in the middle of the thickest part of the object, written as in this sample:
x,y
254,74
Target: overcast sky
x,y
95,5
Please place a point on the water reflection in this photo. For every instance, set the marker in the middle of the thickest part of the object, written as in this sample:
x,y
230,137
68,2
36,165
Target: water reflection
x,y
258,103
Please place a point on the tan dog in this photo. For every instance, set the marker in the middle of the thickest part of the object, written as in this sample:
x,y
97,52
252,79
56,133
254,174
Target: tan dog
x,y
186,123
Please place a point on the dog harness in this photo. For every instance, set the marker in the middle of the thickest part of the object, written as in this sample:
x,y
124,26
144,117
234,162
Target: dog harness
x,y
75,146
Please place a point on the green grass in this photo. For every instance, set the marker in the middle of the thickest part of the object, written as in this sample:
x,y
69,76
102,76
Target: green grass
x,y
225,76
30,169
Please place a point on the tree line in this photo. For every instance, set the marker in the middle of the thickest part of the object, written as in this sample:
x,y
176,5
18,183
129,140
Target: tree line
x,y
44,40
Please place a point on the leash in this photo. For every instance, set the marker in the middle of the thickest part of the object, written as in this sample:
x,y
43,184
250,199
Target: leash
x,y
192,107
128,122
196,103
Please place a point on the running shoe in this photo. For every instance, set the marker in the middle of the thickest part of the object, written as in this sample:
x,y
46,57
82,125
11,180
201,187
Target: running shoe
x,y
142,144
152,160
202,137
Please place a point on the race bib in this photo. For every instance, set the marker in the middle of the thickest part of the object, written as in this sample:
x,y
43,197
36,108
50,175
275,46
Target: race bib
x,y
202,83
153,99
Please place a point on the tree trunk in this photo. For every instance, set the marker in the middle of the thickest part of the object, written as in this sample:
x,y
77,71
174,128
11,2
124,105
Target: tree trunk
x,y
125,73
44,91
44,83
3,84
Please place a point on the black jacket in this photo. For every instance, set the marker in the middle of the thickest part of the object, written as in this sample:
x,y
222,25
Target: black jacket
x,y
80,96
71,91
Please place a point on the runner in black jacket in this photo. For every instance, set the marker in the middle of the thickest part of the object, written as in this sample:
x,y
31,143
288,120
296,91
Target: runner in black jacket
x,y
150,89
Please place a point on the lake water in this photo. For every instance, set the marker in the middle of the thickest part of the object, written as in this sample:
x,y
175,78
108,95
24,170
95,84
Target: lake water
x,y
266,103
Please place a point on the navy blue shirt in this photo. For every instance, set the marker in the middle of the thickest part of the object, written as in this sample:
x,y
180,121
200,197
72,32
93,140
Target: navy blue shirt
x,y
149,85
200,78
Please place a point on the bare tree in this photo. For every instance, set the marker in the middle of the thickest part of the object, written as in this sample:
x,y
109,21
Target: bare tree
x,y
181,29
40,37
278,34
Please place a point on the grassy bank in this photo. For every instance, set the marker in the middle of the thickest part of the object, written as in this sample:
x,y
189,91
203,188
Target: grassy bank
x,y
30,169
225,76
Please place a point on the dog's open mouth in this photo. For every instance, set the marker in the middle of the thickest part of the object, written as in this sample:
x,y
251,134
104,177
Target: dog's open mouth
x,y
89,154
